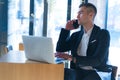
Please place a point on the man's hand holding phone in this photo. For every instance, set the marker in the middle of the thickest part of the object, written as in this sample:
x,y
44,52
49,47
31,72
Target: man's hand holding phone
x,y
72,24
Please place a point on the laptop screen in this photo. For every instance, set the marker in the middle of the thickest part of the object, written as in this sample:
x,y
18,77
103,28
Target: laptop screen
x,y
39,48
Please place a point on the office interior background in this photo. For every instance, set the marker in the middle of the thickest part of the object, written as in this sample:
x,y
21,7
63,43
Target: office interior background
x,y
47,17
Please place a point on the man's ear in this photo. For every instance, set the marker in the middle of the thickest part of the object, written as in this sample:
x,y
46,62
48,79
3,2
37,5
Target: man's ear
x,y
91,15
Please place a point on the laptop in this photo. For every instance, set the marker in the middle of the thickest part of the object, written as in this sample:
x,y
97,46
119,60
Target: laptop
x,y
40,49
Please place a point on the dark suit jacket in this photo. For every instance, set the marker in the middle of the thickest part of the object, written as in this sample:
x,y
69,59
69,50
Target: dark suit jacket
x,y
97,51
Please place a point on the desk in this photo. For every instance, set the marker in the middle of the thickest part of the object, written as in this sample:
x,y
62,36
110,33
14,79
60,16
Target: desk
x,y
13,66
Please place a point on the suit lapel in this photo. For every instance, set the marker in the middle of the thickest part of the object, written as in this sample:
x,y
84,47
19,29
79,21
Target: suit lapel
x,y
93,34
79,38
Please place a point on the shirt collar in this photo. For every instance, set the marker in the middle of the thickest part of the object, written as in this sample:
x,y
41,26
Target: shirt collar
x,y
89,31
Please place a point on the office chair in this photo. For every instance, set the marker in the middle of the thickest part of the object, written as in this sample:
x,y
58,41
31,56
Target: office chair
x,y
114,72
8,48
111,75
21,47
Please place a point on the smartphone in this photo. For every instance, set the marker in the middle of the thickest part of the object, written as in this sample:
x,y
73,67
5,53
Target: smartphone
x,y
75,24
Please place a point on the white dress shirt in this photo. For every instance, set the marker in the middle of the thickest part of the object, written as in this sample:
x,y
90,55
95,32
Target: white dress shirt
x,y
82,48
84,43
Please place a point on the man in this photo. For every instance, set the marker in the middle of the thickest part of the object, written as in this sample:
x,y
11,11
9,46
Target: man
x,y
89,46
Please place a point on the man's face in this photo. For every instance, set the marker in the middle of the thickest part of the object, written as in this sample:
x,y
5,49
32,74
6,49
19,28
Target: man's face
x,y
83,16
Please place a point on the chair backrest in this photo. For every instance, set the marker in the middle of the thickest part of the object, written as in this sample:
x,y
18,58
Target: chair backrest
x,y
114,71
8,48
2,49
21,47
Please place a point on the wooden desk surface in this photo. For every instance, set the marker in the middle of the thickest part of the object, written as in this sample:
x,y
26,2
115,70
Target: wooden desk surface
x,y
13,66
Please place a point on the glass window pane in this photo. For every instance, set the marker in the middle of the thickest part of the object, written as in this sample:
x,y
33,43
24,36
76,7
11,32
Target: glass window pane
x,y
57,14
75,8
114,28
38,17
101,12
18,21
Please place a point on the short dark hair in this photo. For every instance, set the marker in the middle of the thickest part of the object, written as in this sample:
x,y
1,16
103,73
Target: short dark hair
x,y
90,6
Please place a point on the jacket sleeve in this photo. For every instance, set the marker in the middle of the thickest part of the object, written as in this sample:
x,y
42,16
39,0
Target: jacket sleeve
x,y
63,41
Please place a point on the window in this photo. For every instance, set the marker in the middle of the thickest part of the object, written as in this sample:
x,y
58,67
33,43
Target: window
x,y
114,28
75,8
57,14
101,11
38,17
18,21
